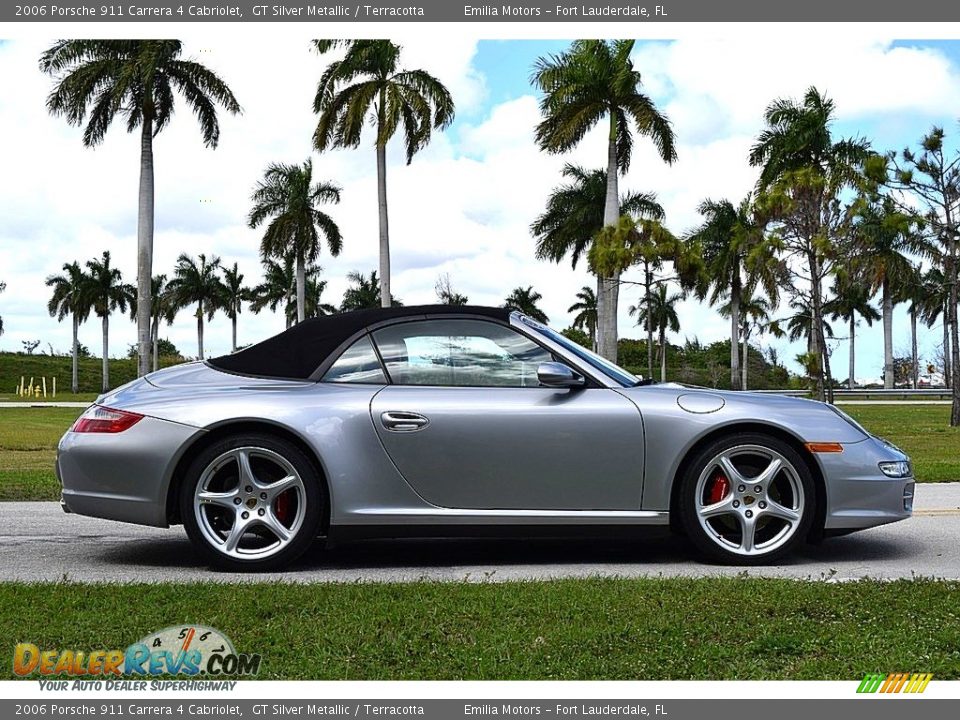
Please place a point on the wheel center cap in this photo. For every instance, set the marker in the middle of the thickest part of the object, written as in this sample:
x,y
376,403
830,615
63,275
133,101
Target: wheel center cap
x,y
749,500
251,503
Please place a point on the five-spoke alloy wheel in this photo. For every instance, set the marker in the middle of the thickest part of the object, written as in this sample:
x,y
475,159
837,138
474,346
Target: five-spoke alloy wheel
x,y
747,499
251,503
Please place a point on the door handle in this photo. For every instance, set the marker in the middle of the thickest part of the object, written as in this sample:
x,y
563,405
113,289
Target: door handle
x,y
402,421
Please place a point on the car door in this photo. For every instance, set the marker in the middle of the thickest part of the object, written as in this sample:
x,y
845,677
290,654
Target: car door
x,y
468,426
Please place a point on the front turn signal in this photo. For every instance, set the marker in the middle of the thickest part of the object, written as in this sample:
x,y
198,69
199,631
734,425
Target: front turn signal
x,y
825,447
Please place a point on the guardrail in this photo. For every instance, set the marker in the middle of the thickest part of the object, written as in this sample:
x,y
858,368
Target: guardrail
x,y
878,394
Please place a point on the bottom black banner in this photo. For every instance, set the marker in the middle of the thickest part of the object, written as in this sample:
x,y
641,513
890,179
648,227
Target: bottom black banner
x,y
787,709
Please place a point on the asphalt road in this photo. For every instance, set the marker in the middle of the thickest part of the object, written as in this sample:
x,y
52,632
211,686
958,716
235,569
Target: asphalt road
x,y
39,542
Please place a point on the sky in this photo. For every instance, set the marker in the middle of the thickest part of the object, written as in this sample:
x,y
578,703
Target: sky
x,y
465,203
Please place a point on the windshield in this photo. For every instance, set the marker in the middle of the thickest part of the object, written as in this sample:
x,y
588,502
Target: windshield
x,y
598,363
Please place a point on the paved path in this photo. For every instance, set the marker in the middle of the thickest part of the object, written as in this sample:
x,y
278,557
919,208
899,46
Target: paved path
x,y
39,542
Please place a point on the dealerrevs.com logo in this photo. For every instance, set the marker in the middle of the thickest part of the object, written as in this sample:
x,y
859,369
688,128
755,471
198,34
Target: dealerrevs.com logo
x,y
176,650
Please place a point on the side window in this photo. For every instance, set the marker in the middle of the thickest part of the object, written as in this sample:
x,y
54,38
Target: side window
x,y
357,364
459,353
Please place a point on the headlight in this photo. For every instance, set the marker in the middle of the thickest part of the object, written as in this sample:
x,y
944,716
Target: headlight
x,y
896,468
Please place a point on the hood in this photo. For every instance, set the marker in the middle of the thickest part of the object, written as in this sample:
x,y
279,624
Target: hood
x,y
812,420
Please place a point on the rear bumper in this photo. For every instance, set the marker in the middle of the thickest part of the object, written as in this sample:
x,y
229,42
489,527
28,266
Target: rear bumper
x,y
124,476
859,495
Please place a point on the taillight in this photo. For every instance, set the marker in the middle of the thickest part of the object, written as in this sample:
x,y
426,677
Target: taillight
x,y
100,419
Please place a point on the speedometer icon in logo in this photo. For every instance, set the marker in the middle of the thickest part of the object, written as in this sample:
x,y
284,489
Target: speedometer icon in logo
x,y
185,638
188,650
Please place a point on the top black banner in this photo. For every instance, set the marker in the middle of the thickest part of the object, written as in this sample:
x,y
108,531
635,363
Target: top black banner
x,y
457,11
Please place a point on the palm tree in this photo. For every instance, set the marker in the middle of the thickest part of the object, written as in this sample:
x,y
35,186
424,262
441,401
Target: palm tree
x,y
69,299
198,283
163,308
574,214
912,291
801,325
754,311
660,313
593,80
734,258
883,239
935,303
369,84
277,289
235,293
851,298
586,309
98,79
803,173
315,307
365,293
104,291
646,243
288,195
525,299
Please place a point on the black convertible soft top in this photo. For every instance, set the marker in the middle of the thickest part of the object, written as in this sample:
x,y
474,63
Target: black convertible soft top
x,y
298,351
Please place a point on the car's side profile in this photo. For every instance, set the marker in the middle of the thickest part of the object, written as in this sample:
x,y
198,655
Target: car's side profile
x,y
440,420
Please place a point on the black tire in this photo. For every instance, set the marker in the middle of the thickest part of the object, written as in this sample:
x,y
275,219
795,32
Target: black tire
x,y
315,504
712,545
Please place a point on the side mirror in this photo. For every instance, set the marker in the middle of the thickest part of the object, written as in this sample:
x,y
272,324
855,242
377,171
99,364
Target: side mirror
x,y
558,375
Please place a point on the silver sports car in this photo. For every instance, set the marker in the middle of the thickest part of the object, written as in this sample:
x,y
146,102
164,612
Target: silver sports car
x,y
452,421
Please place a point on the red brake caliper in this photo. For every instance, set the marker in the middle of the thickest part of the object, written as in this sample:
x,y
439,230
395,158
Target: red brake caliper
x,y
719,487
282,508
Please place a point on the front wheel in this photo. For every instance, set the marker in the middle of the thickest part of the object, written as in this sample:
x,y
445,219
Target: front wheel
x,y
252,503
747,499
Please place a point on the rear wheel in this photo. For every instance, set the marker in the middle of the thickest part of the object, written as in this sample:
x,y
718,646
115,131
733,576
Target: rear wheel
x,y
747,499
252,503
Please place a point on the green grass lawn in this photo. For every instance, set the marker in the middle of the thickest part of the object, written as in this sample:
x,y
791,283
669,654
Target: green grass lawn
x,y
61,397
921,431
28,445
29,436
612,629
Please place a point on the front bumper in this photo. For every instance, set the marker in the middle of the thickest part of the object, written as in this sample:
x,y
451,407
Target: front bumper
x,y
859,495
123,476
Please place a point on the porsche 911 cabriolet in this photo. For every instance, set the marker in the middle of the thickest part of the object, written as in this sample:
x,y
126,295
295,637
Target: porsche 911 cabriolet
x,y
463,421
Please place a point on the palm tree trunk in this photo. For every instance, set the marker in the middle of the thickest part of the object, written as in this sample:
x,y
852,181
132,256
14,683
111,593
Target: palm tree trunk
x,y
828,376
887,335
200,329
663,354
745,349
385,296
145,243
951,267
155,333
735,383
105,324
851,368
74,371
915,366
302,287
817,340
647,282
608,289
946,347
233,338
